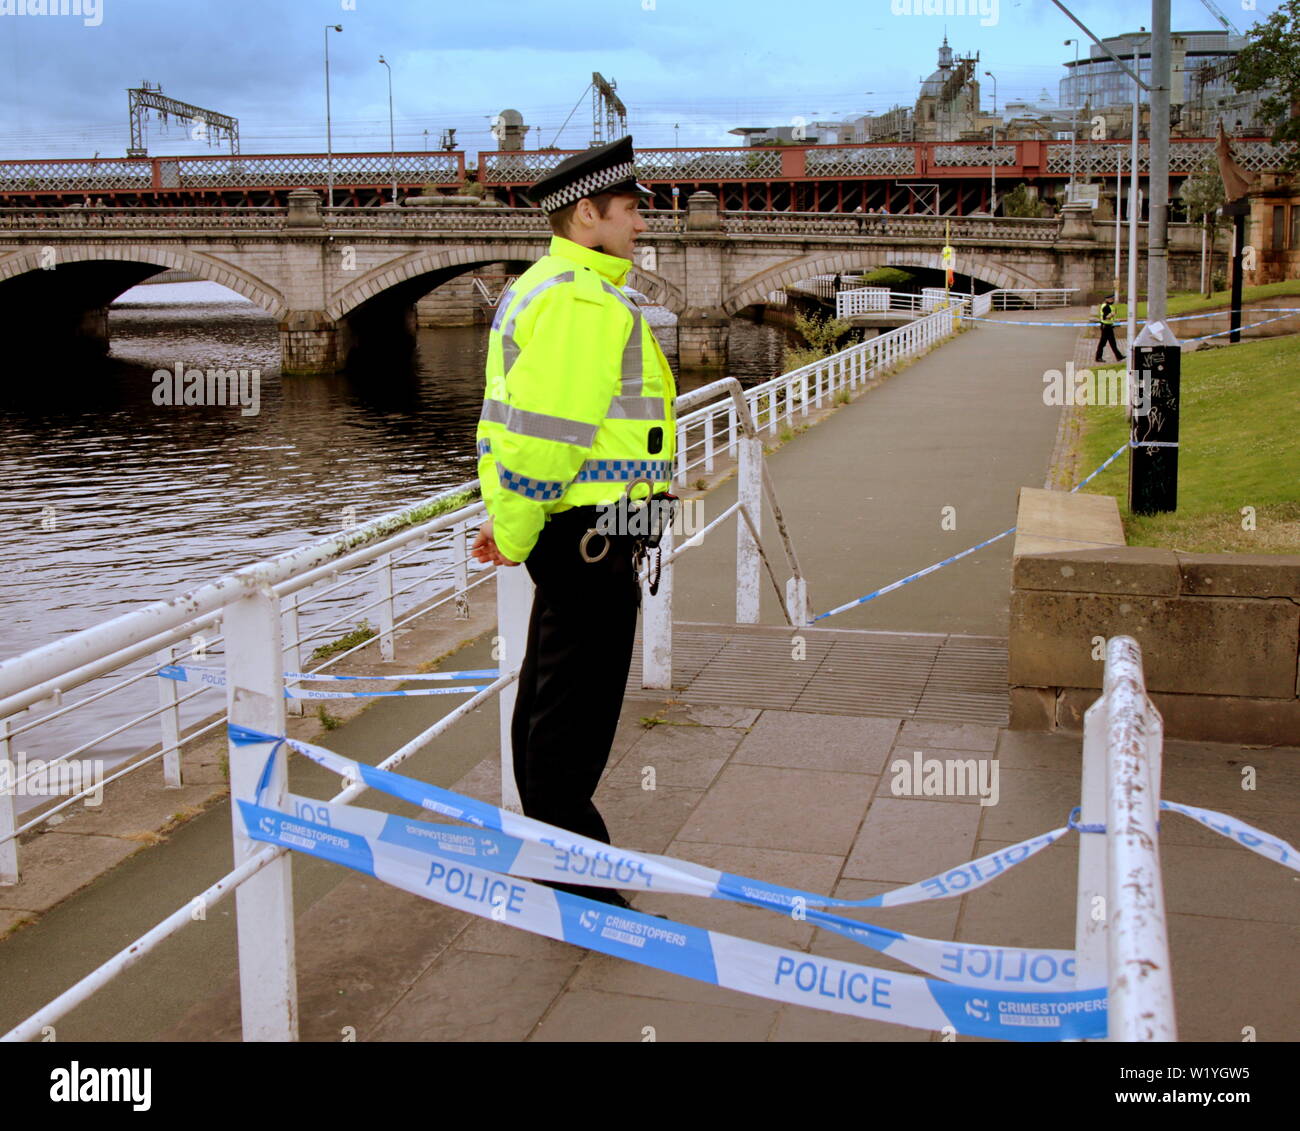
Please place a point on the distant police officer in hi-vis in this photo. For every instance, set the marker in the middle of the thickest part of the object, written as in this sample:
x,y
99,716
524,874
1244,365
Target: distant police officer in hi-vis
x,y
1106,316
578,406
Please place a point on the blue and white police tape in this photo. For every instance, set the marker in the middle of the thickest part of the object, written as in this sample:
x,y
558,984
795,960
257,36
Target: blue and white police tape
x,y
1249,325
215,676
964,553
708,956
547,859
928,570
577,859
1283,310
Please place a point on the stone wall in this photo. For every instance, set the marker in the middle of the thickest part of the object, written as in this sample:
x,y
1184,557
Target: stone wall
x,y
1220,633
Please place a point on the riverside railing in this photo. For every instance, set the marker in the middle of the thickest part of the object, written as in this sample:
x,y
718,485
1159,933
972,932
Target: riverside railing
x,y
416,575
1120,934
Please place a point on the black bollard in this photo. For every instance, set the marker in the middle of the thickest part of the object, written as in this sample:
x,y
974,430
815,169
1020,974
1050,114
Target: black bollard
x,y
1153,426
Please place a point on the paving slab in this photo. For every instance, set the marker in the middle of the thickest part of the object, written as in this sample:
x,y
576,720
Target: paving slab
x,y
814,810
801,741
903,841
596,1016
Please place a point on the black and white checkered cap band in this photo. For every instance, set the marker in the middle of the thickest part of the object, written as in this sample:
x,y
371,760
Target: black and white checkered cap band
x,y
587,186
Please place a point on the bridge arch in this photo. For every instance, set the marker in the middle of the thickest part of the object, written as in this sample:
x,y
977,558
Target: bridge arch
x,y
204,267
452,261
851,260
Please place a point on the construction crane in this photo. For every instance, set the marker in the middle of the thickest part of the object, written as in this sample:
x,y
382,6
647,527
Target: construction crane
x,y
608,114
1214,11
149,96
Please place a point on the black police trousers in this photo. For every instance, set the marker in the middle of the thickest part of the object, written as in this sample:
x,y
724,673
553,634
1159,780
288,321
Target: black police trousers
x,y
1108,338
573,675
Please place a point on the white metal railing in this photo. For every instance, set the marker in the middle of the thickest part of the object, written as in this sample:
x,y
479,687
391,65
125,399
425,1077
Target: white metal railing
x,y
414,577
249,605
879,300
1120,934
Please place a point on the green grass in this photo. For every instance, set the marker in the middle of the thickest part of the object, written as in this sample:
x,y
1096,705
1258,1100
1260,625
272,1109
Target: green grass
x,y
362,632
1192,302
1239,420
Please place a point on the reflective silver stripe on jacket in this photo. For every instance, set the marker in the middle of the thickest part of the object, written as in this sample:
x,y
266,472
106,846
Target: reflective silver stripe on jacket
x,y
544,427
632,351
636,408
509,347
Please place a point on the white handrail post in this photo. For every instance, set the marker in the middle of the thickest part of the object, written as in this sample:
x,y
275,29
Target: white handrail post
x,y
170,720
771,411
708,441
803,393
268,984
680,456
1141,1000
386,650
514,610
292,647
460,552
731,430
9,874
1091,910
657,622
749,493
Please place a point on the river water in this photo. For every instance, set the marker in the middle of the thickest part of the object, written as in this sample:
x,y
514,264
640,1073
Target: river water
x,y
110,502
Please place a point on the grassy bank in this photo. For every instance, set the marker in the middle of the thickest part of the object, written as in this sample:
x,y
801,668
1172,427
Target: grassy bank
x,y
1239,423
1193,302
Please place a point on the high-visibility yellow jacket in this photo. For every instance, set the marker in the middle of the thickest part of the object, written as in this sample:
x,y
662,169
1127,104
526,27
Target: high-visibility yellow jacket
x,y
579,396
1106,314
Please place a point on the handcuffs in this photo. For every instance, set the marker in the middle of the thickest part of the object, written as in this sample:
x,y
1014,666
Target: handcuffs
x,y
653,515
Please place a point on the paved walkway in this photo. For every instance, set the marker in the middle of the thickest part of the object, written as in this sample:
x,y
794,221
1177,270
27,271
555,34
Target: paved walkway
x,y
796,797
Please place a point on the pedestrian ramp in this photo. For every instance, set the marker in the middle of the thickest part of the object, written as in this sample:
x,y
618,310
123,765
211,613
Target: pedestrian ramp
x,y
935,677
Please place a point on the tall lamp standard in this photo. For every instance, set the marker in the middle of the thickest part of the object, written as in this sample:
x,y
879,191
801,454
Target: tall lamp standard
x,y
993,152
329,128
1074,114
392,148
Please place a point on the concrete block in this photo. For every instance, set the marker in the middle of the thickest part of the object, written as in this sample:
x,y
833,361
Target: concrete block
x,y
1208,646
1058,520
1240,575
1204,718
1137,570
1033,708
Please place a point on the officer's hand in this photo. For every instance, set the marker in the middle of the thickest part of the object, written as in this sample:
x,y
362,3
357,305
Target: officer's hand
x,y
485,548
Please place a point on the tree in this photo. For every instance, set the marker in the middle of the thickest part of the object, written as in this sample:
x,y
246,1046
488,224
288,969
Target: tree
x,y
892,277
821,334
1201,194
1272,61
1019,203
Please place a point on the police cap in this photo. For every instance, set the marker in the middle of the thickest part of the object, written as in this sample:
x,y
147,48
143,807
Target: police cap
x,y
606,168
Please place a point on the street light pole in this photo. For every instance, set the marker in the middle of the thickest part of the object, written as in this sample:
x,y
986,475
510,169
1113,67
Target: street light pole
x,y
329,127
392,148
1074,114
993,152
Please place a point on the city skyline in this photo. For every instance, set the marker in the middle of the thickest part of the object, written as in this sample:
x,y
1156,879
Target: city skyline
x,y
689,74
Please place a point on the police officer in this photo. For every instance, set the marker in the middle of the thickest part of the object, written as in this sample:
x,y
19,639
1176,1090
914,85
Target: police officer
x,y
1106,316
578,404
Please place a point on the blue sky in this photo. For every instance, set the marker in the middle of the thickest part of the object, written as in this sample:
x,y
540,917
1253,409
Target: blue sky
x,y
705,66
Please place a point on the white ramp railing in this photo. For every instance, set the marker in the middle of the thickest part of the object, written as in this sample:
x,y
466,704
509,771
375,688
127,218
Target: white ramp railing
x,y
1120,934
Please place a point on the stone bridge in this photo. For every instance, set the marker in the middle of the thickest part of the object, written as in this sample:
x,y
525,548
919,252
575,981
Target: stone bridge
x,y
340,279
